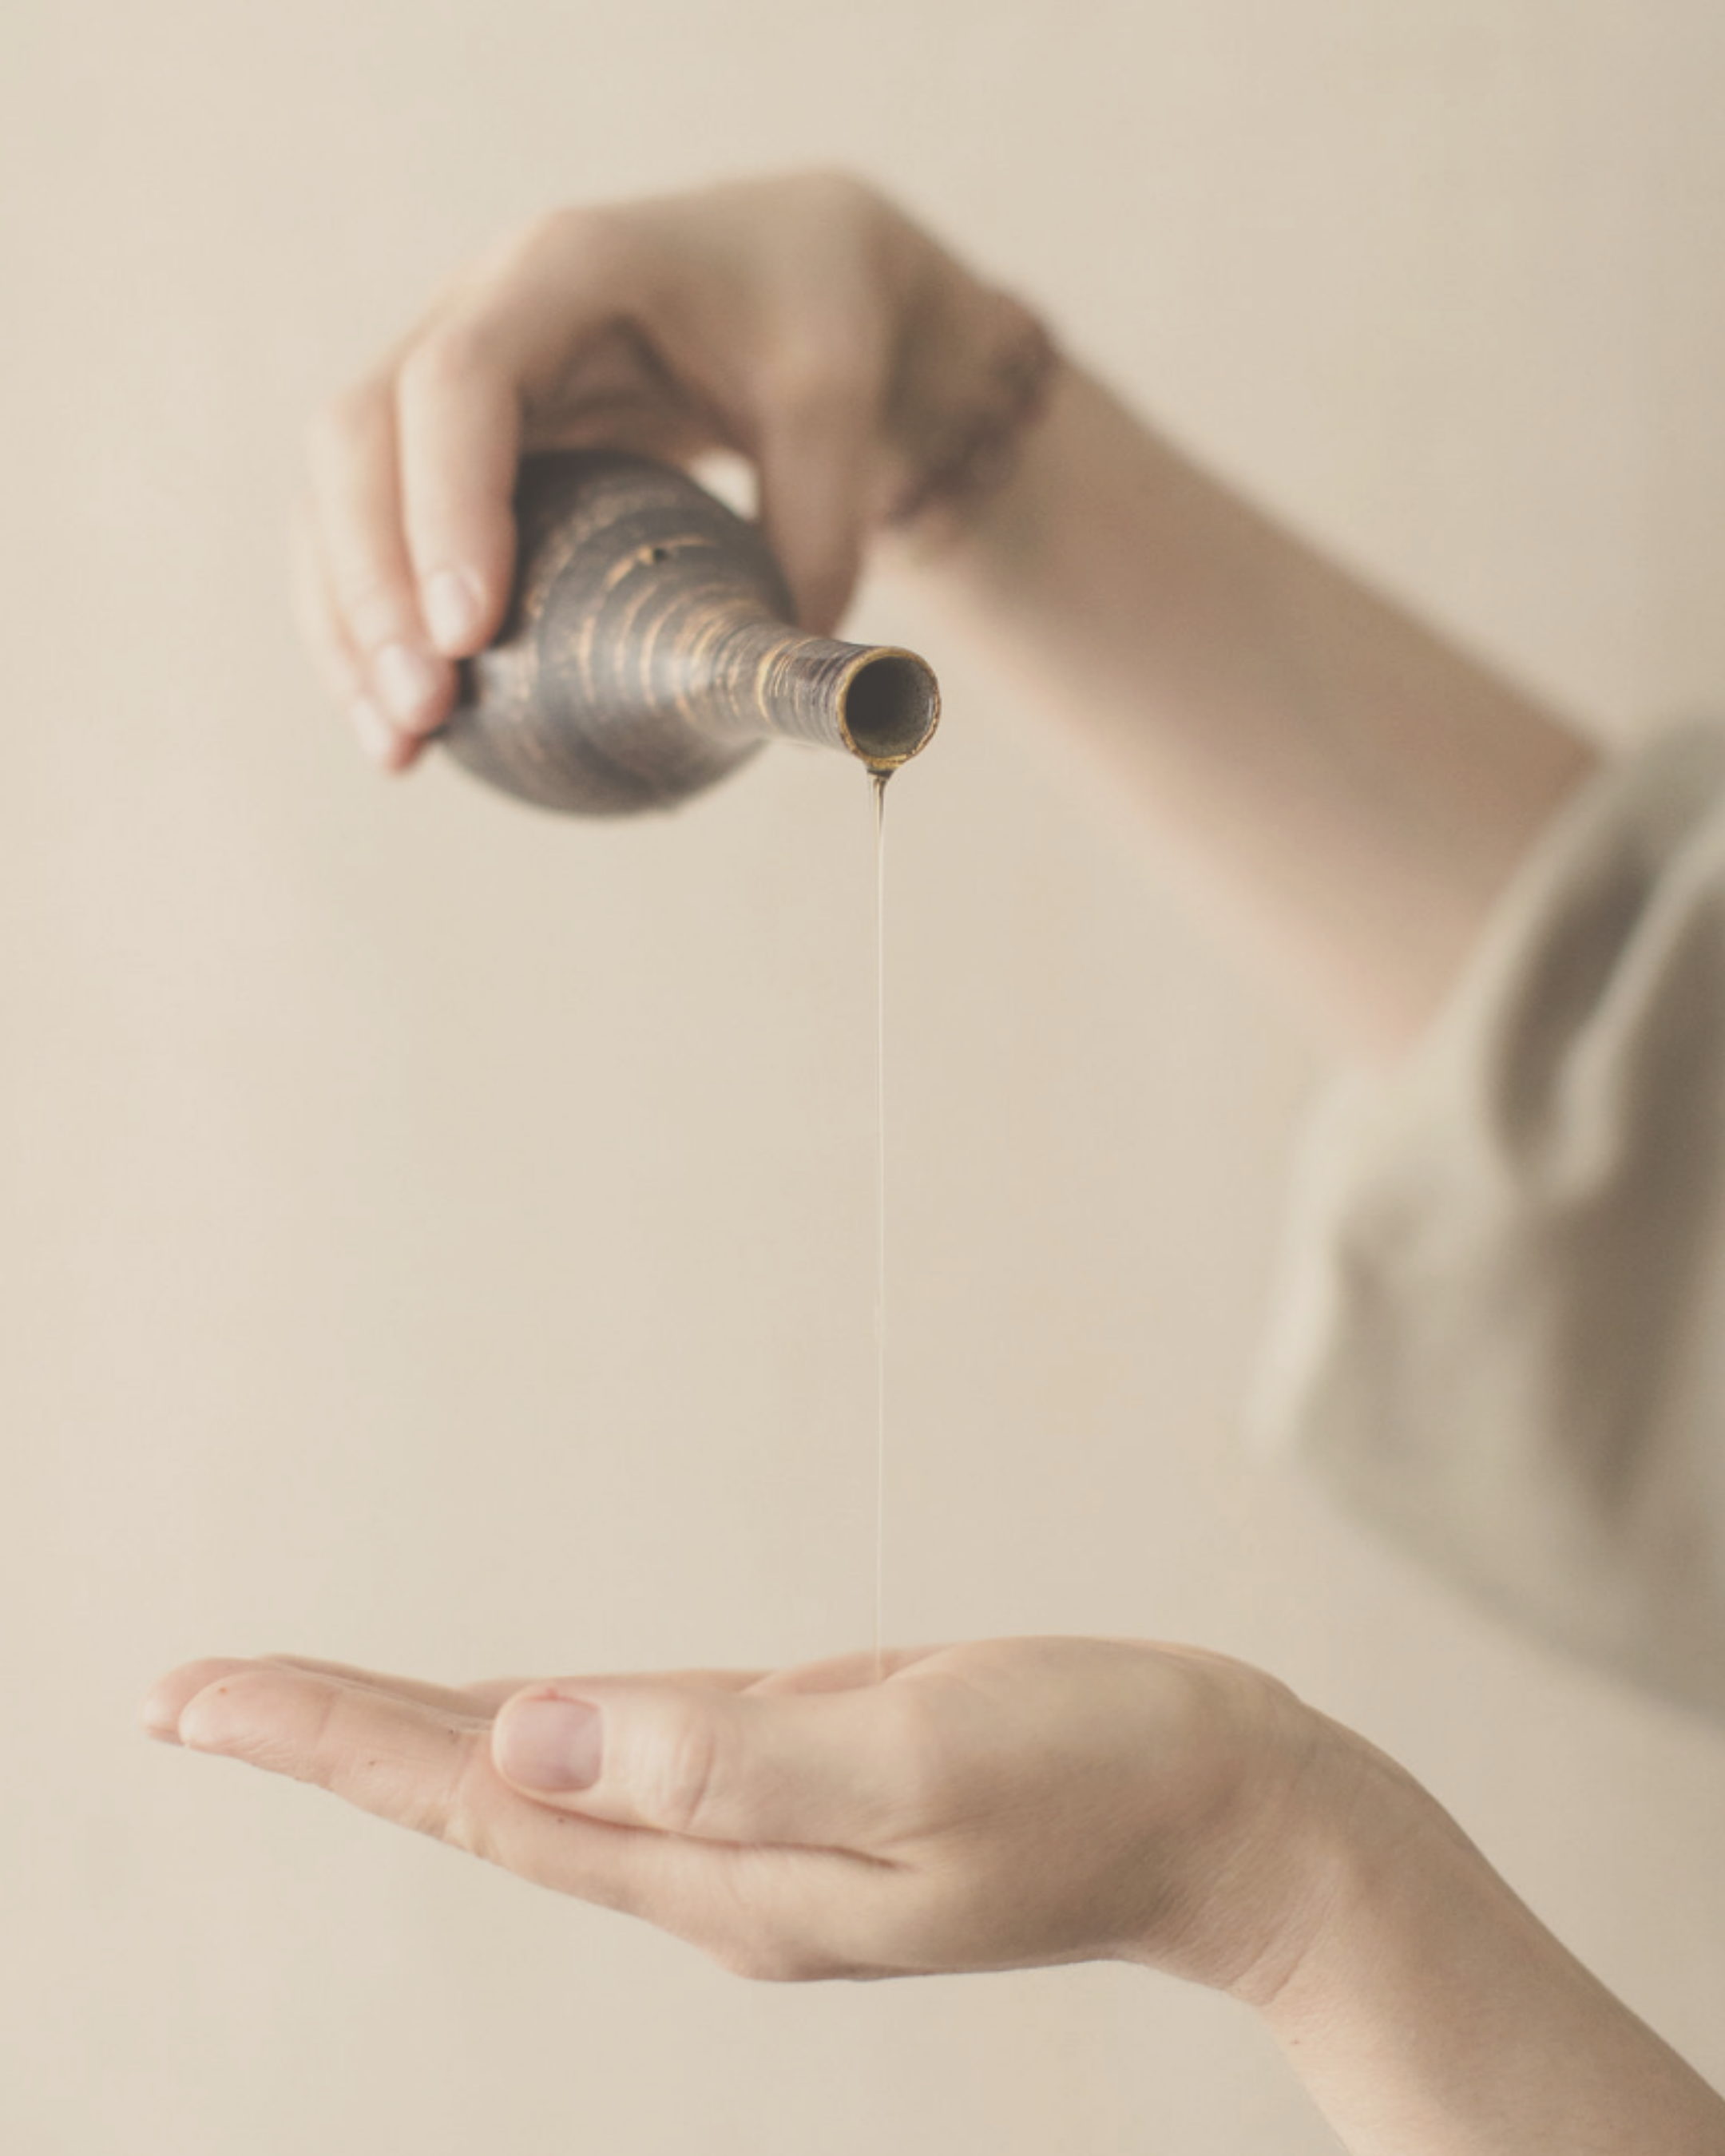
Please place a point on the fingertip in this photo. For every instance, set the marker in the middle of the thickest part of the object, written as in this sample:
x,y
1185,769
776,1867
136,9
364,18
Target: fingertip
x,y
389,749
372,730
457,610
163,1710
814,462
821,561
206,1721
407,751
158,1717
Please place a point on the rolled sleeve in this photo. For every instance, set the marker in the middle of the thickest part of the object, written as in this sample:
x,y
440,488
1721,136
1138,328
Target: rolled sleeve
x,y
1500,1333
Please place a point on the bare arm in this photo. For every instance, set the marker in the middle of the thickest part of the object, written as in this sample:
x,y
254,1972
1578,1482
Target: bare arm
x,y
1349,790
1427,2011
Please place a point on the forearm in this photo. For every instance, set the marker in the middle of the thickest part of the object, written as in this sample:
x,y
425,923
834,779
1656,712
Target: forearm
x,y
1347,789
1430,2013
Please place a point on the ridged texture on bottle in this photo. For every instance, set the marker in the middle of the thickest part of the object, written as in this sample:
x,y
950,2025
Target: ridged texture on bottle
x,y
647,651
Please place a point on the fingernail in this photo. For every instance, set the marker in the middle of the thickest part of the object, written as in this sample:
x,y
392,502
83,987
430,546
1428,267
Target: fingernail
x,y
549,1744
407,680
377,737
206,1724
450,602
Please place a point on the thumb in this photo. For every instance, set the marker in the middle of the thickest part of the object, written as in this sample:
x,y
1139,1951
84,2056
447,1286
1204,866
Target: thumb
x,y
812,1770
814,456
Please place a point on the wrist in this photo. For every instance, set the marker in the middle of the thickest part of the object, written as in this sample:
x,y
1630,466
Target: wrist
x,y
1424,2006
994,410
972,373
1361,1837
1281,1806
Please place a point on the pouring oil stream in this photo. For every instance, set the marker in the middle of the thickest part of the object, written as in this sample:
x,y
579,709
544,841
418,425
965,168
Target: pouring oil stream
x,y
880,778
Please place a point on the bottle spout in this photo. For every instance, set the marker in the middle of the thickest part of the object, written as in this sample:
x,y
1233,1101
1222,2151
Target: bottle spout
x,y
889,708
876,702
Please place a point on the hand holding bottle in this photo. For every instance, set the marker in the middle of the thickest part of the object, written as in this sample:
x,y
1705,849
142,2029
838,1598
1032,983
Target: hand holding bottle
x,y
802,323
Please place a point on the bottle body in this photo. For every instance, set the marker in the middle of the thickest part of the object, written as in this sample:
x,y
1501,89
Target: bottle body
x,y
648,651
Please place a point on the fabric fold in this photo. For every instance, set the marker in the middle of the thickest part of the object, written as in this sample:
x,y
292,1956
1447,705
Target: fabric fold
x,y
1499,1333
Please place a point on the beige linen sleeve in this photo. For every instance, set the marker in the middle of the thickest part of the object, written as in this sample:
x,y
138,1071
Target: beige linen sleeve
x,y
1500,1334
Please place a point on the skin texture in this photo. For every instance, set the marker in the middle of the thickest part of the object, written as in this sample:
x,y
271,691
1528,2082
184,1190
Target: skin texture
x,y
1340,785
1343,791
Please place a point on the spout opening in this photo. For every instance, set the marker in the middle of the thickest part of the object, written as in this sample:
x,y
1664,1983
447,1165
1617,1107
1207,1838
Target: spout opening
x,y
888,708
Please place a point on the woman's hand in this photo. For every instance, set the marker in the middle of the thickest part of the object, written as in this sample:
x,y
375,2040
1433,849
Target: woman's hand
x,y
996,1806
979,1807
802,323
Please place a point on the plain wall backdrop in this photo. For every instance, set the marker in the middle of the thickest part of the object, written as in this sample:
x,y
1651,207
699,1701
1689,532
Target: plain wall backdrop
x,y
439,1236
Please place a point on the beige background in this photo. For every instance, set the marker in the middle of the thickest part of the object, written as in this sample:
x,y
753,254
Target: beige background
x,y
440,1237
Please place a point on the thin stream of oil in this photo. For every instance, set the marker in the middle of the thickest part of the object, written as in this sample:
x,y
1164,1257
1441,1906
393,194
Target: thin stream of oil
x,y
880,779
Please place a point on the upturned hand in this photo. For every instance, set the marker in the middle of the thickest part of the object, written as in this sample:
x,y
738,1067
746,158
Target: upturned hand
x,y
979,1807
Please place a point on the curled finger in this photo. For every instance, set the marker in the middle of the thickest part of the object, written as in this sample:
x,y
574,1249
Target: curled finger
x,y
356,486
333,660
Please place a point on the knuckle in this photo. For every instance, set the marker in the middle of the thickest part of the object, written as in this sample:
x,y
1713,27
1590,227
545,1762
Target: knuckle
x,y
468,1819
588,243
681,1775
829,191
454,357
547,233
